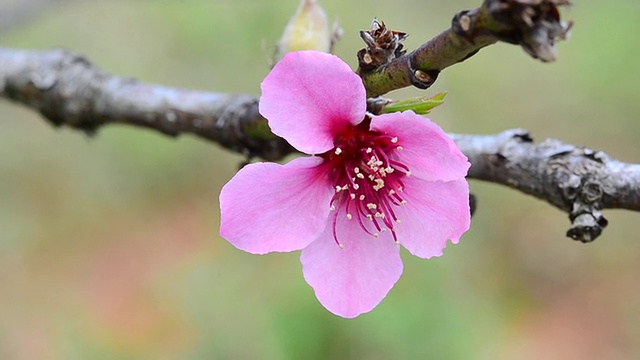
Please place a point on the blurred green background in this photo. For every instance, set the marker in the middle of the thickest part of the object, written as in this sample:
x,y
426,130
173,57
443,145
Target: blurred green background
x,y
109,245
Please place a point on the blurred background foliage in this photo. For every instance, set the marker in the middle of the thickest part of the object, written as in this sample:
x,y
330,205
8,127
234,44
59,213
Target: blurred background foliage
x,y
109,245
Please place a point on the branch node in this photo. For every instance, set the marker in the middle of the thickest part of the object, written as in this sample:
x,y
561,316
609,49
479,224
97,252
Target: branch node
x,y
422,79
570,185
533,24
464,23
586,227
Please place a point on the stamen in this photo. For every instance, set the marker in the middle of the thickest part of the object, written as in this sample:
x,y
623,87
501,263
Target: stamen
x,y
395,236
379,184
335,235
400,166
369,165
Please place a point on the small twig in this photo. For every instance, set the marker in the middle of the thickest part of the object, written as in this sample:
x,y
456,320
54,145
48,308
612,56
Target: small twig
x,y
535,25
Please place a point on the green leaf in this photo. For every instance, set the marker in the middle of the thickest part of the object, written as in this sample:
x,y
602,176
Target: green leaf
x,y
420,105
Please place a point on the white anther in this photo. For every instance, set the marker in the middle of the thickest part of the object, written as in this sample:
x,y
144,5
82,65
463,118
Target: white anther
x,y
353,196
398,221
369,150
369,216
403,202
338,151
408,173
372,206
379,184
376,235
356,186
360,176
394,140
391,192
361,197
338,188
389,169
332,208
379,215
341,246
399,148
349,216
356,170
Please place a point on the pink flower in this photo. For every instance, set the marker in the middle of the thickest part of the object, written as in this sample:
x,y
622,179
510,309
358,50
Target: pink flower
x,y
372,183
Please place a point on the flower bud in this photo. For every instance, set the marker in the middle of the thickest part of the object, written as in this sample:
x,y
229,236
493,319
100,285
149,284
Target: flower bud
x,y
308,29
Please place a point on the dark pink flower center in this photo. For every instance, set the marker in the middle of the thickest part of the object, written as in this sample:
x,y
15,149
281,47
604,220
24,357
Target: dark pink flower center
x,y
367,177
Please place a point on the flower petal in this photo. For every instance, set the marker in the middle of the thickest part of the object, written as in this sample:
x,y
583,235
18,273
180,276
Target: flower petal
x,y
269,207
434,212
352,280
309,96
428,152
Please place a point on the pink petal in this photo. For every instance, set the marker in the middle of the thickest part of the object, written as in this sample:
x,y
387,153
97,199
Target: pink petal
x,y
309,96
269,207
434,212
428,152
352,280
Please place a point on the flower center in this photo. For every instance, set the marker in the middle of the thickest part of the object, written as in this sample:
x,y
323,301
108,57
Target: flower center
x,y
368,179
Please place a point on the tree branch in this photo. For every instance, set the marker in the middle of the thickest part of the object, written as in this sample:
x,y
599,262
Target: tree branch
x,y
535,25
574,179
67,90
